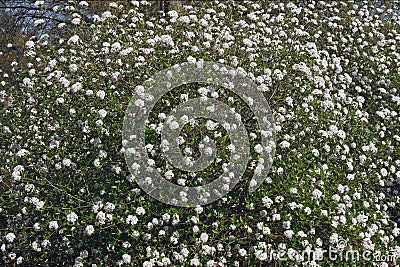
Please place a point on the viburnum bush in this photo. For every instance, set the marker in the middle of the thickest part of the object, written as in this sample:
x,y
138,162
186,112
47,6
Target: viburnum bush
x,y
330,72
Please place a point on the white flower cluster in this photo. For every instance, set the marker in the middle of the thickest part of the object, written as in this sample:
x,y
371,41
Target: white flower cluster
x,y
330,71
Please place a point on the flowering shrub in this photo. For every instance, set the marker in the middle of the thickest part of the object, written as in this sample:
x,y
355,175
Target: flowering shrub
x,y
330,72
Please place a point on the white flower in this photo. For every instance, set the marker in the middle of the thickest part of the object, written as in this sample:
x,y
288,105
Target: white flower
x,y
173,125
204,237
139,103
198,209
285,144
36,227
38,22
67,162
169,174
53,225
64,81
262,256
253,183
72,217
194,262
148,264
208,151
211,125
106,15
173,14
267,201
203,91
184,19
10,237
307,210
334,238
361,218
46,243
396,232
131,219
36,246
286,225
258,149
76,21
184,252
76,87
242,252
39,3
89,230
30,44
20,260
22,153
101,94
126,258
316,194
102,113
278,74
126,51
336,197
166,217
73,40
276,217
247,42
115,47
191,59
84,4
231,147
27,82
109,207
101,217
140,211
341,134
194,219
288,233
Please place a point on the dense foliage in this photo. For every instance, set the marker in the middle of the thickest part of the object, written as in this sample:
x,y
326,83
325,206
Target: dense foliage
x,y
331,74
